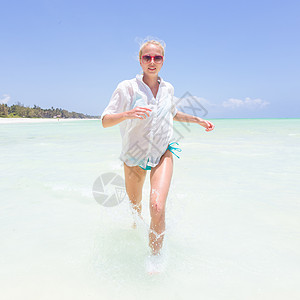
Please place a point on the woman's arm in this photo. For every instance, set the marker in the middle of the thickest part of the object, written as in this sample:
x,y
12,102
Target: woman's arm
x,y
182,117
113,119
136,113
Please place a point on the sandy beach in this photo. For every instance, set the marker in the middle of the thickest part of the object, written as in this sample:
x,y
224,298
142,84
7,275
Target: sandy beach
x,y
37,120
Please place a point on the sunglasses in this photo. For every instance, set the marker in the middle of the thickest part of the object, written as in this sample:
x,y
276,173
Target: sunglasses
x,y
158,59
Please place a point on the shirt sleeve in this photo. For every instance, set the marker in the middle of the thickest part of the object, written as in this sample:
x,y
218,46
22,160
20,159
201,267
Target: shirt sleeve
x,y
117,103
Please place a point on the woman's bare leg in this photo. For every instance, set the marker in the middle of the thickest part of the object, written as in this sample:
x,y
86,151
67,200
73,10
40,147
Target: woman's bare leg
x,y
160,180
134,181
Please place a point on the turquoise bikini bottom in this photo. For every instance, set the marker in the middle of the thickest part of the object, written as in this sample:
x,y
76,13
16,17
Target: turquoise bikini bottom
x,y
171,149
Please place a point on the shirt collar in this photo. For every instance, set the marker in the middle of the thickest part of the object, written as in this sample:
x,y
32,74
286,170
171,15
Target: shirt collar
x,y
139,77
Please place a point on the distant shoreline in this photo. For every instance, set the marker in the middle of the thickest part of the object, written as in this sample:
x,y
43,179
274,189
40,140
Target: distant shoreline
x,y
38,120
44,120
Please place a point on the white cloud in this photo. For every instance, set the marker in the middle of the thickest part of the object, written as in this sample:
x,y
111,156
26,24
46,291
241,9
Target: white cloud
x,y
4,99
247,103
201,107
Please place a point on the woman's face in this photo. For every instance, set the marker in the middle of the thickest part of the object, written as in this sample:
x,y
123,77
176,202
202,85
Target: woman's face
x,y
152,68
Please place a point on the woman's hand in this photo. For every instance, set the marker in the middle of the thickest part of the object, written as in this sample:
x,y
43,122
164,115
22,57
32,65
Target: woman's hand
x,y
206,124
138,113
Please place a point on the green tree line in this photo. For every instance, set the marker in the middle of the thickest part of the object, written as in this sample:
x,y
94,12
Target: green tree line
x,y
20,111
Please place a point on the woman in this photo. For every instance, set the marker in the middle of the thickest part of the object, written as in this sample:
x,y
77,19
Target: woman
x,y
145,110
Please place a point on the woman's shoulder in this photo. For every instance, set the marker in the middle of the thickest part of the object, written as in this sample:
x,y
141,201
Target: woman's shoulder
x,y
126,84
169,86
127,87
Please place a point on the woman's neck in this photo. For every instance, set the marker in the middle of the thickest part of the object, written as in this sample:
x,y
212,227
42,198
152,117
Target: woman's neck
x,y
150,81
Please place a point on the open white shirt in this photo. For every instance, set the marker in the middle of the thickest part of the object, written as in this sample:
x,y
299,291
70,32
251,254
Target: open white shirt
x,y
144,141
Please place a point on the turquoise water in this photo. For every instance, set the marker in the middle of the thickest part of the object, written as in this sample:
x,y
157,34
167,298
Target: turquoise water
x,y
232,214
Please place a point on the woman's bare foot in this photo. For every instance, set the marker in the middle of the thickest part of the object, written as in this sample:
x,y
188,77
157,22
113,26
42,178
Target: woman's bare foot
x,y
133,226
135,216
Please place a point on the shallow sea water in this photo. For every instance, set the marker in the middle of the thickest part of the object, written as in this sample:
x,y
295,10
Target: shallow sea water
x,y
233,229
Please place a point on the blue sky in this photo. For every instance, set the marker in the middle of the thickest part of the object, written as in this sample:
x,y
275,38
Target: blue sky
x,y
238,58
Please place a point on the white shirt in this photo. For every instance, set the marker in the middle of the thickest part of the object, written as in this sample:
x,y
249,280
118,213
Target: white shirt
x,y
144,141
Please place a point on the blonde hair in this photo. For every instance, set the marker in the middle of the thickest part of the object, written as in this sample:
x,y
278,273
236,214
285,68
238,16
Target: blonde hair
x,y
153,41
